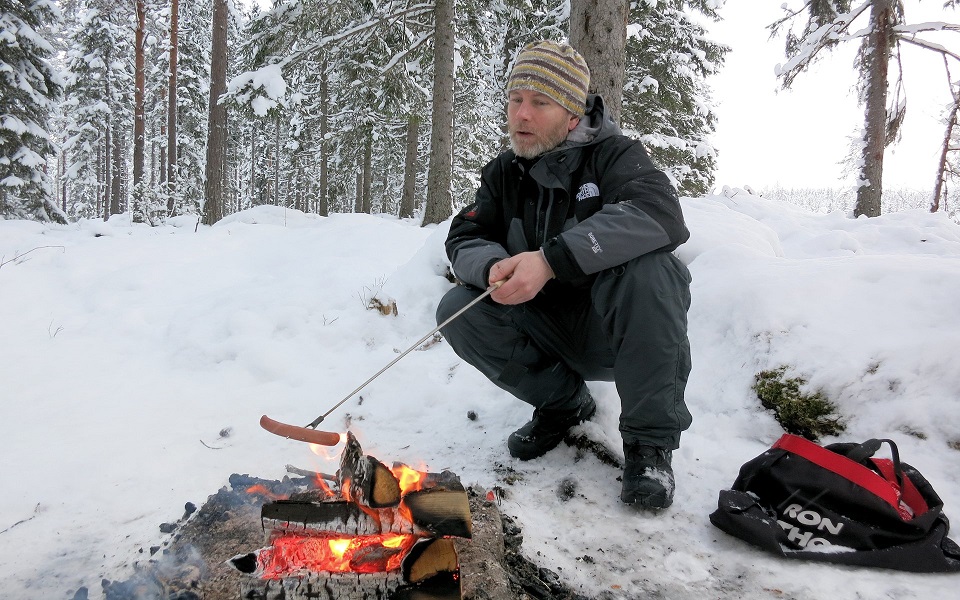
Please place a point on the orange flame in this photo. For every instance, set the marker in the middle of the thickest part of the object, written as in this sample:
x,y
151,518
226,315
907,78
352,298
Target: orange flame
x,y
291,553
326,452
322,485
263,491
410,480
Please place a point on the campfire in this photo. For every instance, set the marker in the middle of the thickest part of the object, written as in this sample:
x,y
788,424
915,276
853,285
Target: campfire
x,y
368,532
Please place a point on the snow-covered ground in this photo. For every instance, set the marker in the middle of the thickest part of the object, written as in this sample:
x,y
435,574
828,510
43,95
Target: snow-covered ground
x,y
135,363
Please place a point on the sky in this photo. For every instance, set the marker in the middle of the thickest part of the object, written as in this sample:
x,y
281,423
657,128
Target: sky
x,y
796,138
137,361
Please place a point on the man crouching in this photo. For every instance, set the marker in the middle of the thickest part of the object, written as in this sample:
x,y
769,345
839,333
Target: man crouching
x,y
579,227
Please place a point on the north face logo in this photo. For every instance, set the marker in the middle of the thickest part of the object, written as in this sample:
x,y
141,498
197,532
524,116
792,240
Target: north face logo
x,y
588,190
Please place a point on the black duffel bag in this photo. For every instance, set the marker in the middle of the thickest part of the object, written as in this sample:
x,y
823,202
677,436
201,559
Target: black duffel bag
x,y
838,504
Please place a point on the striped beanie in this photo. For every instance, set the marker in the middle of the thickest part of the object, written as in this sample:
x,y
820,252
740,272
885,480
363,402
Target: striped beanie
x,y
555,70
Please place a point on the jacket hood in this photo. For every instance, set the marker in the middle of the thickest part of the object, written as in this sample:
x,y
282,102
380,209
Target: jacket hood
x,y
595,125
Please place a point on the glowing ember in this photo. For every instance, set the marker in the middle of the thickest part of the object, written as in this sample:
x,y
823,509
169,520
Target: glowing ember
x,y
333,553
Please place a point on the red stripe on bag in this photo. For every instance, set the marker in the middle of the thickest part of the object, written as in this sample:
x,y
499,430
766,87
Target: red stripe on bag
x,y
842,466
909,494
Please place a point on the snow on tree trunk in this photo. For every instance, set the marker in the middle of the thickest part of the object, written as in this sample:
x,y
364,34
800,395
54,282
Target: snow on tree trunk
x,y
439,206
598,30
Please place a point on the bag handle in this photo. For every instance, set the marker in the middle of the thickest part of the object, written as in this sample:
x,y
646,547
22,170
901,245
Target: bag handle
x,y
871,447
841,465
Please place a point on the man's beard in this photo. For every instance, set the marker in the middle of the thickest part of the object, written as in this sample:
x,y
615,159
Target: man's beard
x,y
540,144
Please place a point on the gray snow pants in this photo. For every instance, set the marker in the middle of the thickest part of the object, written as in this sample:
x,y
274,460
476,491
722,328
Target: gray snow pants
x,y
630,327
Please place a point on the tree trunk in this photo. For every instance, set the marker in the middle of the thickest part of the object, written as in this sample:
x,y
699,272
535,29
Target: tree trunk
x,y
942,164
253,164
106,166
407,200
276,162
217,119
139,116
875,126
366,205
63,181
598,30
439,206
172,106
116,172
323,209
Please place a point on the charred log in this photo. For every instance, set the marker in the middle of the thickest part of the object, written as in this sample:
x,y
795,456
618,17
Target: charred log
x,y
366,480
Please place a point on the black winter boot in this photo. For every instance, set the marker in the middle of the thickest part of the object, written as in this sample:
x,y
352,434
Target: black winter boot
x,y
647,476
547,427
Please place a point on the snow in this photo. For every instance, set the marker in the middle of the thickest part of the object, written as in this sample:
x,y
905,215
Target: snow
x,y
137,361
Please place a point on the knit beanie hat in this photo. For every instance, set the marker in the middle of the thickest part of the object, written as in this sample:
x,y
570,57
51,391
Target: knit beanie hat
x,y
555,70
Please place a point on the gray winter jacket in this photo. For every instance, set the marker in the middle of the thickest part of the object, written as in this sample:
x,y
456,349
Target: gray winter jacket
x,y
594,202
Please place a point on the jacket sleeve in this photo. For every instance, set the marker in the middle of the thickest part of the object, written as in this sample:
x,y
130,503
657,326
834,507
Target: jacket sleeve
x,y
640,214
477,235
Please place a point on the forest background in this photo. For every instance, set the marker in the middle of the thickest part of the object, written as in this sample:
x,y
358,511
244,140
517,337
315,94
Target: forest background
x,y
172,107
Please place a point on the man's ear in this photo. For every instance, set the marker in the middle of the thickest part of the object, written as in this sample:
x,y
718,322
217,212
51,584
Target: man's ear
x,y
574,121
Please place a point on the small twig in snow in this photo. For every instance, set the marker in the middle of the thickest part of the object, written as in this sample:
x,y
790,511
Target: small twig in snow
x,y
19,256
36,511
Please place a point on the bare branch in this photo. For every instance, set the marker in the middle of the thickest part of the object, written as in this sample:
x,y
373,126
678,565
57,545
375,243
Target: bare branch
x,y
19,256
930,46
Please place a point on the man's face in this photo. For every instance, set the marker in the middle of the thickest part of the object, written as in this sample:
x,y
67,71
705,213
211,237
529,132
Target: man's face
x,y
536,123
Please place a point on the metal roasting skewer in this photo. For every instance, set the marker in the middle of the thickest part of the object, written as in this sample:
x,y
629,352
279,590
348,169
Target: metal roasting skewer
x,y
331,439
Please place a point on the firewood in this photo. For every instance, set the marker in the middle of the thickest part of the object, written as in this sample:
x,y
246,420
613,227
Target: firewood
x,y
430,557
324,586
308,473
440,511
339,516
366,480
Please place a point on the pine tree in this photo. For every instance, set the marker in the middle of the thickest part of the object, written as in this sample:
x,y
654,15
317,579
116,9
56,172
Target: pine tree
x,y
598,30
99,91
193,80
666,98
28,86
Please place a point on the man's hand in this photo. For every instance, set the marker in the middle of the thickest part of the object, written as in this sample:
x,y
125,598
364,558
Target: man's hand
x,y
525,275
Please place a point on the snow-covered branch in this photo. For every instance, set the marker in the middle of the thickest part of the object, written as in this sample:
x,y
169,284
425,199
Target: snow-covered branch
x,y
824,36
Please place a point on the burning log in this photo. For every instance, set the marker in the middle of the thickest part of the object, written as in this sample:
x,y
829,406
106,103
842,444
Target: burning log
x,y
440,511
339,516
366,480
429,558
384,531
379,586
